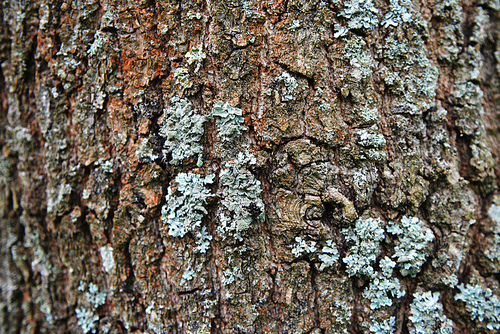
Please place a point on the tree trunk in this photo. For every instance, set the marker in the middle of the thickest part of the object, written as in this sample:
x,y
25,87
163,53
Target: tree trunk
x,y
245,166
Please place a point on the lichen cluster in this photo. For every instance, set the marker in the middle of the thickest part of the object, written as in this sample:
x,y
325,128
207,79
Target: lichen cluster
x,y
241,202
481,304
185,209
427,315
182,129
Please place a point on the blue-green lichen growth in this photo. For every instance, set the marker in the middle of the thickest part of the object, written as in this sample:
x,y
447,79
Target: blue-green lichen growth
x,y
382,284
369,139
427,315
241,202
413,244
185,209
360,14
366,235
302,247
229,121
481,304
87,318
182,129
384,327
398,14
290,85
329,255
196,56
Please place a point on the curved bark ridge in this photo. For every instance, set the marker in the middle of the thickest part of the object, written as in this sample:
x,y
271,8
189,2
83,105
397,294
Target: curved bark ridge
x,y
250,166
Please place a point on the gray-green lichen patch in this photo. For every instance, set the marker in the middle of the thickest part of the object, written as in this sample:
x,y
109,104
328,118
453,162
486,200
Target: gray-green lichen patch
x,y
387,326
364,182
481,304
329,255
467,101
99,39
360,14
302,247
398,14
491,258
366,236
229,121
427,315
196,56
357,56
411,77
182,129
382,284
185,209
413,245
369,139
290,85
335,302
145,151
87,318
182,77
241,202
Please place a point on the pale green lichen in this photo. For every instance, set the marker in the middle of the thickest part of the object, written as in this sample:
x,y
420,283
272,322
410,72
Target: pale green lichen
x,y
241,202
250,11
295,25
187,276
426,315
366,235
382,284
481,304
85,194
185,209
182,129
369,139
301,247
398,14
145,151
377,291
182,78
329,255
99,40
196,55
203,240
229,121
87,319
230,275
361,62
387,326
360,14
94,296
413,244
413,76
290,85
342,313
107,166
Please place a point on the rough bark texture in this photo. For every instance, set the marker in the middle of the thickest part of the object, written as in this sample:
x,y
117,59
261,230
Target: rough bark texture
x,y
326,166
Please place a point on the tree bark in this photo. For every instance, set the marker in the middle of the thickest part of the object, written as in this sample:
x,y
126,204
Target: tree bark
x,y
249,166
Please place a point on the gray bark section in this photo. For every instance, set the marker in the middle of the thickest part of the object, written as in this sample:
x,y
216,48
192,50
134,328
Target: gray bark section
x,y
360,112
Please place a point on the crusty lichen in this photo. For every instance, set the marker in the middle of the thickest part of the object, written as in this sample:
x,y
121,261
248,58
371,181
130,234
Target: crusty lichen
x,y
182,129
241,202
185,209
